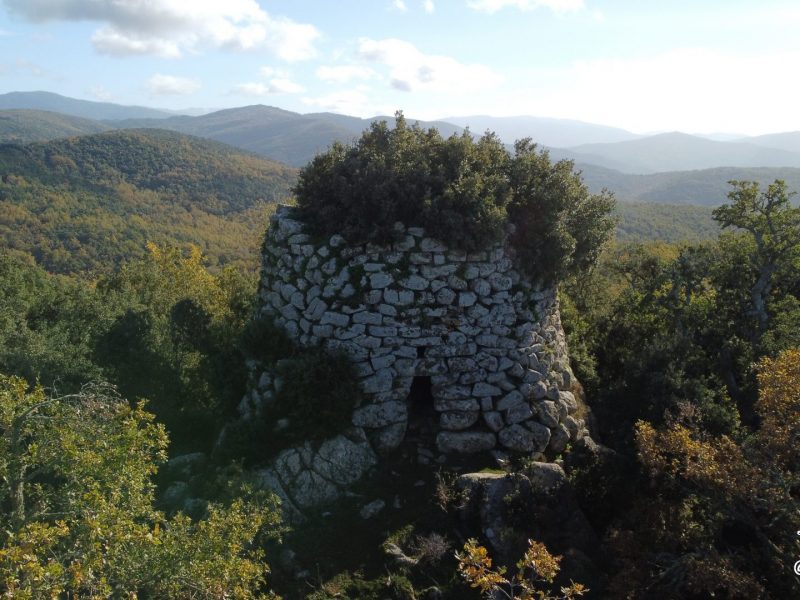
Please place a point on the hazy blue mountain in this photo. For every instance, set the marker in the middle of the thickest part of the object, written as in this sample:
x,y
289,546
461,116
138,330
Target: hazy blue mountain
x,y
278,134
41,126
544,131
789,141
708,187
678,152
77,108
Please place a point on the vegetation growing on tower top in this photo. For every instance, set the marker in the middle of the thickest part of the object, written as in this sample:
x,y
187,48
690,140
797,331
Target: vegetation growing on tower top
x,y
461,190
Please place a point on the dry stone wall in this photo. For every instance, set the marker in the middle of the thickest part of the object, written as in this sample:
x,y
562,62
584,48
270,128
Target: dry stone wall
x,y
491,343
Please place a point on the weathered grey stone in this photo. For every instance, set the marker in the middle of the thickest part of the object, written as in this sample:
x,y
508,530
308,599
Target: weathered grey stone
x,y
381,381
387,310
407,243
368,341
465,442
486,361
445,296
453,392
531,376
420,258
538,390
380,415
481,287
541,434
559,438
462,404
457,283
414,282
500,282
547,411
316,309
466,299
380,280
518,439
568,398
519,413
511,399
461,364
494,420
458,420
381,331
372,509
431,245
368,318
482,389
471,271
343,460
431,366
334,318
488,340
574,426
382,362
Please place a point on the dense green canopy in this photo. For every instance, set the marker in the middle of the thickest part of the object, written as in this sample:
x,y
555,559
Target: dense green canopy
x,y
462,191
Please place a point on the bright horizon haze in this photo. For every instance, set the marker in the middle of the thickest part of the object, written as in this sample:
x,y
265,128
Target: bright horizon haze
x,y
697,67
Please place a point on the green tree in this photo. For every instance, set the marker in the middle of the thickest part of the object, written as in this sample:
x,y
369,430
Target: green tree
x,y
177,343
76,487
463,191
774,225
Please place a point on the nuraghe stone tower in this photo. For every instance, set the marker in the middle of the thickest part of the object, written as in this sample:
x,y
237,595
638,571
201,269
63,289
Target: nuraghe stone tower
x,y
466,332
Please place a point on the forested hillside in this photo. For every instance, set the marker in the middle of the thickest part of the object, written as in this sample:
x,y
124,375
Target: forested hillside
x,y
646,221
42,126
706,187
90,203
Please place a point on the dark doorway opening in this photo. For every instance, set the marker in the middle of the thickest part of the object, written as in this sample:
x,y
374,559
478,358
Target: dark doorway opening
x,y
423,419
420,396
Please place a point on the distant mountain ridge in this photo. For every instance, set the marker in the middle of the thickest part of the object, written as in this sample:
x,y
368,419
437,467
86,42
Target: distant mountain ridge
x,y
274,133
672,168
560,133
678,152
87,109
707,187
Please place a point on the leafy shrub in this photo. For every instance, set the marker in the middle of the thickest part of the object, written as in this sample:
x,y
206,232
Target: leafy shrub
x,y
318,394
462,191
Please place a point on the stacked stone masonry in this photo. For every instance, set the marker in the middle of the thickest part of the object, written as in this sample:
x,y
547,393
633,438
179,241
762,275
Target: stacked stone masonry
x,y
491,343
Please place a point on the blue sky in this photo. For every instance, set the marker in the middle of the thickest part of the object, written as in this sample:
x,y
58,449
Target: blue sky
x,y
697,66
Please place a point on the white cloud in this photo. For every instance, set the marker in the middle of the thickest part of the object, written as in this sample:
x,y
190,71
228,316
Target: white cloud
x,y
688,89
344,73
99,92
350,102
492,6
30,68
169,85
428,6
273,86
412,70
400,5
170,28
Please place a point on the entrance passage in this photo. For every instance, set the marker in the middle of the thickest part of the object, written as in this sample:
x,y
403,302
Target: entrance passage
x,y
420,396
423,420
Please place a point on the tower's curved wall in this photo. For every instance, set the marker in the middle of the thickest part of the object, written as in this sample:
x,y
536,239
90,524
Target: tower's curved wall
x,y
490,343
